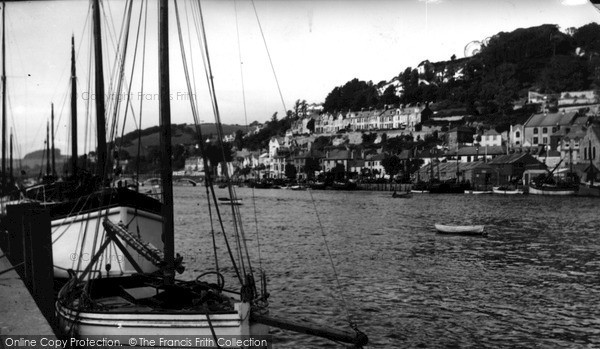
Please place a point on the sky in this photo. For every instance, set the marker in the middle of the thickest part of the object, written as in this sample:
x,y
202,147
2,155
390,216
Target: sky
x,y
265,54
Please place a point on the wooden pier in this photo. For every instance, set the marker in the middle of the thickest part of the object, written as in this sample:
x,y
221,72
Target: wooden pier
x,y
26,272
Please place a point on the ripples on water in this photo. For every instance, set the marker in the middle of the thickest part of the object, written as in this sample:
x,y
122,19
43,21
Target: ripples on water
x,y
534,281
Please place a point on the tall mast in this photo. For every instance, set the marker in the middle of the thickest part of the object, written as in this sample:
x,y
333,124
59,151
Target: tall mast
x,y
165,141
591,164
99,91
52,137
3,98
73,110
48,171
10,171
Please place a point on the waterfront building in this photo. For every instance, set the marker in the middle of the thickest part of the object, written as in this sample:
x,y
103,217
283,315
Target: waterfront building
x,y
478,152
490,138
539,127
590,145
458,136
510,168
337,156
515,136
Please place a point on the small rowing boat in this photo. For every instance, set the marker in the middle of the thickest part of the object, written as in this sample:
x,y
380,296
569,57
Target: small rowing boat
x,y
507,191
403,195
228,201
460,229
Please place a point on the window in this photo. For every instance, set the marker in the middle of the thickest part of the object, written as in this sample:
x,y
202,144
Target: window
x,y
518,135
545,140
553,129
535,131
535,140
585,154
545,130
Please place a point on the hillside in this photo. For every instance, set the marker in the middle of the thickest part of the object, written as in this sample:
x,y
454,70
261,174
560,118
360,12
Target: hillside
x,y
492,79
180,134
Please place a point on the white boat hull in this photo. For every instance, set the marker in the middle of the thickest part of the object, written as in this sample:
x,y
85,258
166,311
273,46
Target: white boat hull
x,y
553,191
459,229
507,192
113,326
76,238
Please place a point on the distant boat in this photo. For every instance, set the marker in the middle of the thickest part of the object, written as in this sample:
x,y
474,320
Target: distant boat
x,y
476,192
317,185
506,191
402,195
231,202
547,189
419,191
460,229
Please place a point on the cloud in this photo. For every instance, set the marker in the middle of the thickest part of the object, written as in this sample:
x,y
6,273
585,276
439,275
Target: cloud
x,y
574,2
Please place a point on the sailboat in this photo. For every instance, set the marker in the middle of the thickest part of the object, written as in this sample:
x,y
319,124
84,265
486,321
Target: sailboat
x,y
151,304
85,201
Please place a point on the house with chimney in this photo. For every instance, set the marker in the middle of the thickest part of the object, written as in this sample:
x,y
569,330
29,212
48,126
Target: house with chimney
x,y
539,127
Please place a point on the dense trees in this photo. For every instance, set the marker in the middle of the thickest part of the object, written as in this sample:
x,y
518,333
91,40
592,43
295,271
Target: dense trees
x,y
354,95
509,64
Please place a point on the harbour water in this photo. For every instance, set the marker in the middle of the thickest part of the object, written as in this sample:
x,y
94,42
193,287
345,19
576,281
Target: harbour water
x,y
534,281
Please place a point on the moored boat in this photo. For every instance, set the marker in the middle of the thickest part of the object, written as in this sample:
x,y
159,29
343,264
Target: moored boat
x,y
548,189
460,229
478,192
402,195
158,304
506,191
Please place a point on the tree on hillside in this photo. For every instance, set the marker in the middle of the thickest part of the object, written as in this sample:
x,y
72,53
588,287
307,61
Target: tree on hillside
x,y
290,171
388,97
368,138
320,143
565,73
353,95
310,125
392,165
587,37
311,166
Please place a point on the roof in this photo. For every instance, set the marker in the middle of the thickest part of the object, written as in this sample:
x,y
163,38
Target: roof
x,y
405,154
310,154
461,129
338,154
451,166
514,158
491,132
375,157
356,163
489,150
551,119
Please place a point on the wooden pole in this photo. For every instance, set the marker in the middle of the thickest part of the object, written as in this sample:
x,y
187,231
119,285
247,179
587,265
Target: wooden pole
x,y
3,98
165,142
358,338
99,91
73,110
52,137
48,170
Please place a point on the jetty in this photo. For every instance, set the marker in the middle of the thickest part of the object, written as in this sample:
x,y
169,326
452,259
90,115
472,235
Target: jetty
x,y
26,281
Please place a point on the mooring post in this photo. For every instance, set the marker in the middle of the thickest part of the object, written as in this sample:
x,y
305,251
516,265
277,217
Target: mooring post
x,y
14,225
37,236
